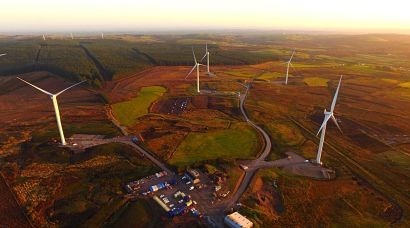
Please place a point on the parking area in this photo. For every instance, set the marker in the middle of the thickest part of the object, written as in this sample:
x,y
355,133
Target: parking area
x,y
187,194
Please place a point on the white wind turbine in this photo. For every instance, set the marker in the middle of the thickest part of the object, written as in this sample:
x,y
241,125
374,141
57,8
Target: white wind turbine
x,y
71,35
207,60
102,35
197,71
55,104
289,65
44,37
322,128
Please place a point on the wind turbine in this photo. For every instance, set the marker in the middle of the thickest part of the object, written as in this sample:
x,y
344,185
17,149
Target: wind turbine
x,y
55,104
207,60
102,35
197,71
328,116
289,64
44,37
71,35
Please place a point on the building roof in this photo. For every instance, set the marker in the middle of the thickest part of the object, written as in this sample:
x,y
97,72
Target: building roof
x,y
239,219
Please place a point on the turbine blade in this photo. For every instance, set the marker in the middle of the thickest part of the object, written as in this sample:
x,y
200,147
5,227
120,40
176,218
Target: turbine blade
x,y
203,57
293,67
337,124
193,53
3,54
193,68
292,55
62,91
327,117
335,96
42,90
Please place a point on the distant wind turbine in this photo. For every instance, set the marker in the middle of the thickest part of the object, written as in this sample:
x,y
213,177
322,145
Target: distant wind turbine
x,y
289,65
102,35
197,71
72,37
44,37
55,104
207,60
328,116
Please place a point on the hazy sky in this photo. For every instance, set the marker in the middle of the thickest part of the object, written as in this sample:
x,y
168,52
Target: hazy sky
x,y
74,15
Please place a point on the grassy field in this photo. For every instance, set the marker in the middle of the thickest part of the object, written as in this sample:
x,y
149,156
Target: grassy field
x,y
316,81
405,85
127,112
271,75
389,80
240,141
285,135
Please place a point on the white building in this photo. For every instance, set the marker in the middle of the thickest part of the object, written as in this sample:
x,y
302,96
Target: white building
x,y
236,220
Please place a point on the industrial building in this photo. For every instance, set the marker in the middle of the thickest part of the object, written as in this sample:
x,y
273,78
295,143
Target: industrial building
x,y
236,220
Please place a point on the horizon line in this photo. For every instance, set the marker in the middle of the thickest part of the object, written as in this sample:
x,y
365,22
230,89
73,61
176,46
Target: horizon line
x,y
159,31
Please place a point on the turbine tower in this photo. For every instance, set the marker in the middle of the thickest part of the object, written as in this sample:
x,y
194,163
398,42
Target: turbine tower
x,y
197,71
287,69
55,104
44,37
102,35
207,60
71,35
328,115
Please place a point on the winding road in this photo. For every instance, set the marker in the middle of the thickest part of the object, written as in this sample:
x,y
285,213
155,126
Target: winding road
x,y
250,172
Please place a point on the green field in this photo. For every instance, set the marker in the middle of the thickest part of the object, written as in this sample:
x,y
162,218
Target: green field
x,y
239,73
285,134
240,141
316,81
405,85
392,81
271,75
127,112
